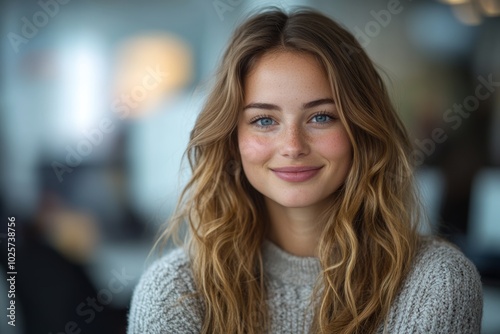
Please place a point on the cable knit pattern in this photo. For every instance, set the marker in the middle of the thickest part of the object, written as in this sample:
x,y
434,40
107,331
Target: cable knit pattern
x,y
442,294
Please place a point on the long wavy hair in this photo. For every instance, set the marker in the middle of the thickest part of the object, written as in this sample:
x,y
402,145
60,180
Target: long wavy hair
x,y
369,237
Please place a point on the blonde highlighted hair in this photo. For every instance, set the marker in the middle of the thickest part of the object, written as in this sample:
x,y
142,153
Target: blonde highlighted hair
x,y
369,238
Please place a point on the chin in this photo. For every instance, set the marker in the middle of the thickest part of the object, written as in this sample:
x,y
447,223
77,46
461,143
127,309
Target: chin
x,y
296,203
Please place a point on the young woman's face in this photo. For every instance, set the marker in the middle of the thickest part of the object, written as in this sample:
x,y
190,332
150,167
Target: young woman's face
x,y
294,149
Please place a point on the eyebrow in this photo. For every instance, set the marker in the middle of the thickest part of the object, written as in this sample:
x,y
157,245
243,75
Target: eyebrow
x,y
308,105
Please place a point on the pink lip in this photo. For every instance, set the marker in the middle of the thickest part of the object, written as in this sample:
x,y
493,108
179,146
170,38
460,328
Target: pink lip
x,y
296,173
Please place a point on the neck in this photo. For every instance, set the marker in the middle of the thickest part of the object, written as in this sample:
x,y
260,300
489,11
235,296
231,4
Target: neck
x,y
295,230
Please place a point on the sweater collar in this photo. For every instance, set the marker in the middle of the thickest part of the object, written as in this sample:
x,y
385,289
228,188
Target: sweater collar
x,y
287,268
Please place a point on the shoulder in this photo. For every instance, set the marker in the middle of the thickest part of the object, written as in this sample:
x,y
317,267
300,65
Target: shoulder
x,y
442,293
440,263
163,299
441,259
170,275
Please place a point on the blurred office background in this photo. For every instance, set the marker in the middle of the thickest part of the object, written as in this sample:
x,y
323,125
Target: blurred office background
x,y
97,99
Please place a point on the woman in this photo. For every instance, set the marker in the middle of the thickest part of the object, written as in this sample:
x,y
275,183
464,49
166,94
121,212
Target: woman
x,y
301,209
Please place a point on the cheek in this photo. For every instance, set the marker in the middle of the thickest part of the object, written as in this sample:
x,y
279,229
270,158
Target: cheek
x,y
336,146
253,148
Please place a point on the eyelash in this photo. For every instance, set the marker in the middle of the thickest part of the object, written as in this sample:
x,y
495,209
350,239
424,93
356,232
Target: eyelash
x,y
325,113
255,119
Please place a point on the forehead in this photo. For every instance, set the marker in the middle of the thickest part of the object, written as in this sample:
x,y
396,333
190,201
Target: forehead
x,y
285,74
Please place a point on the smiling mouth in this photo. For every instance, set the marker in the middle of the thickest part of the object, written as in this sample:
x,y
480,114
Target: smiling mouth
x,y
296,173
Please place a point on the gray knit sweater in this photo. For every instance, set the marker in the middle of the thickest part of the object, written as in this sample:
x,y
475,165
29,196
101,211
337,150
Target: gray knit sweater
x,y
442,294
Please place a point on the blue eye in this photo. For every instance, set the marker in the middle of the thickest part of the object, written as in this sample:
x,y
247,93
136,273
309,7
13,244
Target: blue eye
x,y
264,121
321,118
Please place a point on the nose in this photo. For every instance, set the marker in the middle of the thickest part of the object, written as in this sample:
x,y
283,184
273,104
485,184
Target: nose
x,y
294,143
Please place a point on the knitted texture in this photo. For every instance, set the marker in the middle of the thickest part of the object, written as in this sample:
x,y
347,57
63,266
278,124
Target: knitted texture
x,y
442,294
